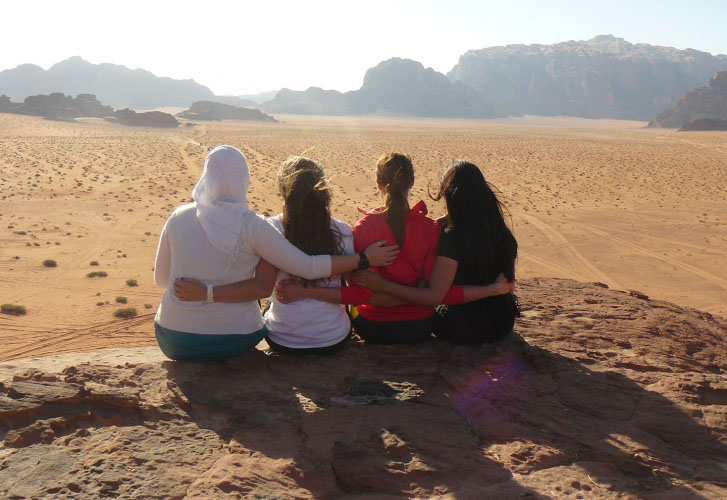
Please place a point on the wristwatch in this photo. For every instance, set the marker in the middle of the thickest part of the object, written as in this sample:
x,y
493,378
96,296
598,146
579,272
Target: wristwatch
x,y
210,292
363,263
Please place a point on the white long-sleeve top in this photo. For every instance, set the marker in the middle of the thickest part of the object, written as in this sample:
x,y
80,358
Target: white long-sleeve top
x,y
310,323
185,251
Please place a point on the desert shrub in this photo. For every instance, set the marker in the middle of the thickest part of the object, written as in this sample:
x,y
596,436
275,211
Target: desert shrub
x,y
13,309
131,283
100,303
121,300
148,306
94,263
50,263
97,274
125,312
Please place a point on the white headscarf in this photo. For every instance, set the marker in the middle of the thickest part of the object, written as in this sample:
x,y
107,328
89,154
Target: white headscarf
x,y
221,196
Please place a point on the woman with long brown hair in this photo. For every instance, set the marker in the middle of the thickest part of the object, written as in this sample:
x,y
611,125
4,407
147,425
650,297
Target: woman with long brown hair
x,y
308,326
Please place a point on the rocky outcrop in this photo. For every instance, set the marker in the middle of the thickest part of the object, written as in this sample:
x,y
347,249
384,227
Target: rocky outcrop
x,y
403,86
605,77
233,101
708,102
57,106
394,87
598,394
114,84
6,105
208,110
147,119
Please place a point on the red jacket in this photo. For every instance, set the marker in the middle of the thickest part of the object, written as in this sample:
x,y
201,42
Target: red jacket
x,y
415,262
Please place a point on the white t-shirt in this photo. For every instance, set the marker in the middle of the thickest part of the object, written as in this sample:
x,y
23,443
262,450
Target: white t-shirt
x,y
185,251
310,323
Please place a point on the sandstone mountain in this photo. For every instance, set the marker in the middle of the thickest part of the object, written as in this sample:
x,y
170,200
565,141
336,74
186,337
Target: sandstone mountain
x,y
114,84
314,101
704,124
605,77
260,97
208,110
393,87
708,102
599,394
57,106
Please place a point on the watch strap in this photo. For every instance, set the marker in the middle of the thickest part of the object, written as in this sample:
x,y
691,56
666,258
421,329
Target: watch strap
x,y
363,263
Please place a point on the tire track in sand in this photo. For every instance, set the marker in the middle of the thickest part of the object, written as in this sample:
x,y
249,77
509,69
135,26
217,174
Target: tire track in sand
x,y
55,341
577,262
645,251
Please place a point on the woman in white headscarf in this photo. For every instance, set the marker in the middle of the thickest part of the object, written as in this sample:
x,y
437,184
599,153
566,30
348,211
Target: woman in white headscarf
x,y
219,240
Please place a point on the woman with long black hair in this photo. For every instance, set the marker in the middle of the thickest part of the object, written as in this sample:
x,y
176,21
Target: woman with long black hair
x,y
476,247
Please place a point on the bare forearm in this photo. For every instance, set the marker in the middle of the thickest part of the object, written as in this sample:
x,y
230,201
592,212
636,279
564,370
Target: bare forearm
x,y
344,263
259,287
473,292
411,295
242,291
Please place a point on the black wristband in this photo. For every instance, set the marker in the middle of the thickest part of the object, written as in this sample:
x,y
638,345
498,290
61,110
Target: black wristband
x,y
363,263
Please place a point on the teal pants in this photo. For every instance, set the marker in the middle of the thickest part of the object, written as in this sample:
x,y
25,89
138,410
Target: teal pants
x,y
183,346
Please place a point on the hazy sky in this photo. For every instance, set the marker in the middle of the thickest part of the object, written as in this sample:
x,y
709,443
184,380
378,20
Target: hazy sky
x,y
238,47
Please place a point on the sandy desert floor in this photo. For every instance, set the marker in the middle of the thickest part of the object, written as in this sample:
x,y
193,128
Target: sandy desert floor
x,y
604,201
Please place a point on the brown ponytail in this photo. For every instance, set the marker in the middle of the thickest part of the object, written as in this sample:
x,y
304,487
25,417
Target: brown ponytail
x,y
395,173
306,210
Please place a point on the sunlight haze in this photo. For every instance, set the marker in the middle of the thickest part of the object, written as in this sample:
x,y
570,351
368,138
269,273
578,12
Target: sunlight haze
x,y
246,47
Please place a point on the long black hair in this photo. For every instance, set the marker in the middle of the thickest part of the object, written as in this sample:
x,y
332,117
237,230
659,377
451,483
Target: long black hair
x,y
484,241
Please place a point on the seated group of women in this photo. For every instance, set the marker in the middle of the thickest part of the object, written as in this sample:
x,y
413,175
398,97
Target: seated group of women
x,y
415,276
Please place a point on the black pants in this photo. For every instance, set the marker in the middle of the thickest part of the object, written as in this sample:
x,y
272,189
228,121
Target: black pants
x,y
331,349
486,320
393,332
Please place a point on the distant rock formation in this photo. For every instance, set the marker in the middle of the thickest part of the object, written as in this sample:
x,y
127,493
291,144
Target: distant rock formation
x,y
598,394
146,119
115,85
6,105
393,87
208,110
57,106
605,77
704,124
403,86
708,102
260,97
233,101
314,101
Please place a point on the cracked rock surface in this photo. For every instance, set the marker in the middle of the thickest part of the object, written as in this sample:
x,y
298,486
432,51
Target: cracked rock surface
x,y
598,394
